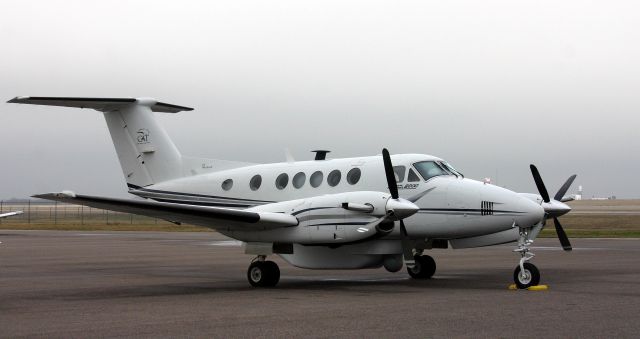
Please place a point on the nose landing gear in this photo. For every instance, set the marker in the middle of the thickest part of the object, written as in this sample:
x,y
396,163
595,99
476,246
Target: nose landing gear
x,y
263,273
526,274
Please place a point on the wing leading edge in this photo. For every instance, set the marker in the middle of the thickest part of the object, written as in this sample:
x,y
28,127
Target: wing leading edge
x,y
211,217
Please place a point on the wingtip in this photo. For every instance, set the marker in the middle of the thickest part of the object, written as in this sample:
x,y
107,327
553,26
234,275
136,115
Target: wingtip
x,y
17,100
55,195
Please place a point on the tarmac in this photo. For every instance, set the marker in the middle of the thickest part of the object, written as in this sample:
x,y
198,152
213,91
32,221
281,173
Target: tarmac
x,y
151,284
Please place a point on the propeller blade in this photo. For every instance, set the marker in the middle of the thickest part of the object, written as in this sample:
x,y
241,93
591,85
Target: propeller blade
x,y
564,240
539,183
407,248
391,177
563,190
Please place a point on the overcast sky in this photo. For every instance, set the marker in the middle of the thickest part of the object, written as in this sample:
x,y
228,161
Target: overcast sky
x,y
491,86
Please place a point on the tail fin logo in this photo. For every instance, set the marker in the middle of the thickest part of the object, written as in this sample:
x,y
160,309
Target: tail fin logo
x,y
143,136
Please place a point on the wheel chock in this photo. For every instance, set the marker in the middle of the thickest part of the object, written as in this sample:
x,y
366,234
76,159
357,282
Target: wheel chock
x,y
531,288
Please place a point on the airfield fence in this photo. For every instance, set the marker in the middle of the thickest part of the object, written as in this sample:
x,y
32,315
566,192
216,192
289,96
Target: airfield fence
x,y
44,212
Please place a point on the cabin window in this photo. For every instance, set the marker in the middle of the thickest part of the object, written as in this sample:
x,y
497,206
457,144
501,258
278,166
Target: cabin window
x,y
227,184
353,176
281,181
299,179
399,171
316,179
333,179
413,177
255,182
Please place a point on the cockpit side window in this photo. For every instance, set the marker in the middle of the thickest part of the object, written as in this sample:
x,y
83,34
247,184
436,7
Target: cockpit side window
x,y
413,177
450,168
444,168
399,171
429,169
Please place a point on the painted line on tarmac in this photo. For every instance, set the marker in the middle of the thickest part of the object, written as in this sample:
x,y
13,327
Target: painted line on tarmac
x,y
226,243
354,279
557,248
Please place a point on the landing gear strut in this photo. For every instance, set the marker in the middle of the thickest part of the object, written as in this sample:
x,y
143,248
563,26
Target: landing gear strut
x,y
424,267
263,273
526,274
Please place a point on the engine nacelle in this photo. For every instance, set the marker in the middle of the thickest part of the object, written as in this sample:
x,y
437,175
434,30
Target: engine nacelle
x,y
344,218
336,218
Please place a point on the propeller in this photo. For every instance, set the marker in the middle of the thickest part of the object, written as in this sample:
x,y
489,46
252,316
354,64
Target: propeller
x,y
405,207
554,208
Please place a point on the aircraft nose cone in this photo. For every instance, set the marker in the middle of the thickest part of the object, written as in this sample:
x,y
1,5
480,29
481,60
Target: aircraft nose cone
x,y
532,212
401,208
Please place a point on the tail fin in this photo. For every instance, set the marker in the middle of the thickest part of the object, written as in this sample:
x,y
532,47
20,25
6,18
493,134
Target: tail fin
x,y
146,153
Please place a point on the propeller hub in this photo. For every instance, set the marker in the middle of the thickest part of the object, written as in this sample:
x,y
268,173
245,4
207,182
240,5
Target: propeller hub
x,y
401,208
555,208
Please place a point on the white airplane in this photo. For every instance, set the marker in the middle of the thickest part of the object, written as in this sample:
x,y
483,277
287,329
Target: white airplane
x,y
351,213
4,215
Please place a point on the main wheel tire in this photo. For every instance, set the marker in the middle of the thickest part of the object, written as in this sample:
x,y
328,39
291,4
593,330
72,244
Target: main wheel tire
x,y
263,274
424,267
274,273
527,278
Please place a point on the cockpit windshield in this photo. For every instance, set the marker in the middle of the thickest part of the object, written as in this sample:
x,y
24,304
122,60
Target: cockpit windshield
x,y
430,169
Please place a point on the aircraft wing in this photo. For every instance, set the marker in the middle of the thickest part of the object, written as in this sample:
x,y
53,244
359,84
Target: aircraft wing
x,y
212,217
4,215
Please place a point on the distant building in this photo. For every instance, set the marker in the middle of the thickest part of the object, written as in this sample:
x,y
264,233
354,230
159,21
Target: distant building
x,y
578,195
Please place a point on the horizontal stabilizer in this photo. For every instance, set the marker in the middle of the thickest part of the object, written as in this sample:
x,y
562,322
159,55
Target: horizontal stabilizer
x,y
100,104
4,215
211,217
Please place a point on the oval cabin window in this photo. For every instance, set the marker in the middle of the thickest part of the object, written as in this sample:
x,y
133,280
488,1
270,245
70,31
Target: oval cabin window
x,y
299,179
316,179
281,181
227,184
333,179
255,182
353,176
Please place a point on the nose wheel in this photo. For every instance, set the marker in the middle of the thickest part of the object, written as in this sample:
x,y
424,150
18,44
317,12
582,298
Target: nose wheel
x,y
263,273
526,274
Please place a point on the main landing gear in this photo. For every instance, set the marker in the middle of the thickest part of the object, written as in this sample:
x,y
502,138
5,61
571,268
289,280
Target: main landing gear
x,y
423,268
526,274
263,273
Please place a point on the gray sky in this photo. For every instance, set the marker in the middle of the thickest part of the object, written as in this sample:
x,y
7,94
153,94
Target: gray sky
x,y
491,86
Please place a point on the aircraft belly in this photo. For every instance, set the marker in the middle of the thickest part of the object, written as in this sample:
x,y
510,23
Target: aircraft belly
x,y
358,256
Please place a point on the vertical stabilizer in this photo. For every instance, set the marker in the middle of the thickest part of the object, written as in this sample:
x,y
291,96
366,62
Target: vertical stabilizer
x,y
146,153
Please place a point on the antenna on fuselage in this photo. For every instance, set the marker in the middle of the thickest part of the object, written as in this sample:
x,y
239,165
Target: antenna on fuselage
x,y
321,154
